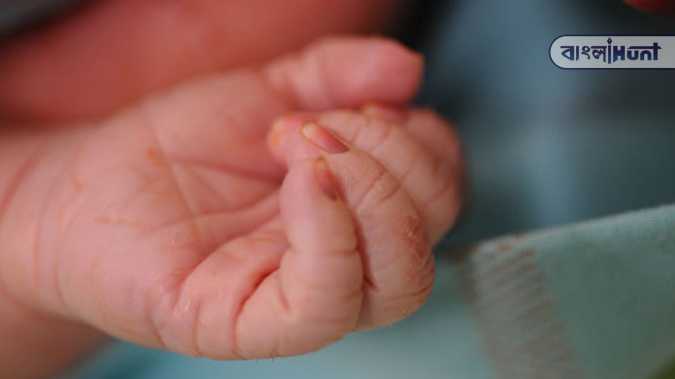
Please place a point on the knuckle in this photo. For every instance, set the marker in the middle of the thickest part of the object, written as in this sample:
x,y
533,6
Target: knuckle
x,y
429,117
419,278
447,183
415,269
412,299
400,306
309,332
383,188
416,299
330,311
446,197
385,131
412,232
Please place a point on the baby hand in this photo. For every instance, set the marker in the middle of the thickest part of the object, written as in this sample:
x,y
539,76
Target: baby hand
x,y
186,223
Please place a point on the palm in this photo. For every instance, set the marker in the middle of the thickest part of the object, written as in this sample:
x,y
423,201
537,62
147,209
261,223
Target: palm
x,y
195,180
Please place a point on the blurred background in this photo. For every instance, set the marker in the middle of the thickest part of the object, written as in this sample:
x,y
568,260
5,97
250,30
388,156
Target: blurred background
x,y
544,146
549,146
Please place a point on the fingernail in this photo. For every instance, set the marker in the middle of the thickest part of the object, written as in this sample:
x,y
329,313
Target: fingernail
x,y
283,125
326,179
386,113
323,139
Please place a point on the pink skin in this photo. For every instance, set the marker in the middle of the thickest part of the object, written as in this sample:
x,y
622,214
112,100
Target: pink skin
x,y
114,51
186,223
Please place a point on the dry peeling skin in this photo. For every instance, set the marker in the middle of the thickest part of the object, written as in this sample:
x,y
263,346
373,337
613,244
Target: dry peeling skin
x,y
176,224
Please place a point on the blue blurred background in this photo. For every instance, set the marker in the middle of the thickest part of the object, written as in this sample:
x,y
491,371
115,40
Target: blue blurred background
x,y
549,146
